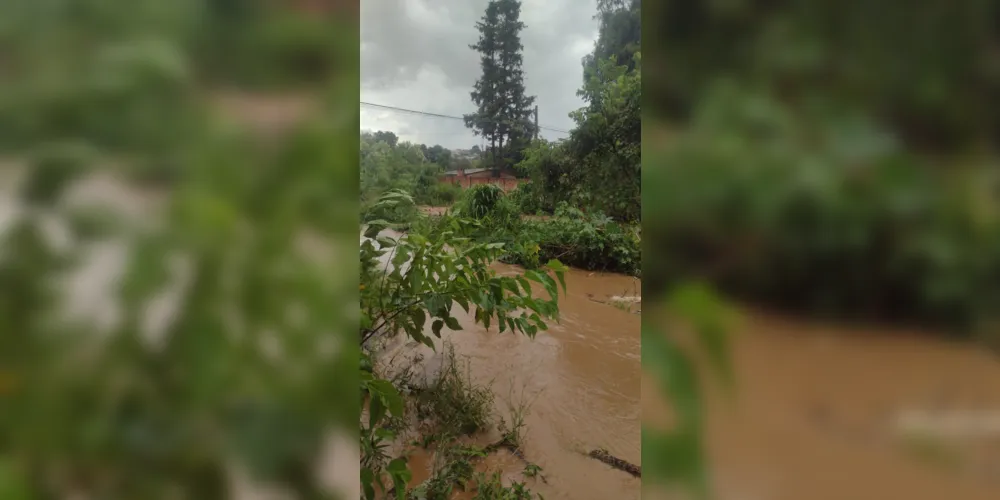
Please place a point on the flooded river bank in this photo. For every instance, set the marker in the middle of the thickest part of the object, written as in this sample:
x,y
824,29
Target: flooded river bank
x,y
815,413
580,381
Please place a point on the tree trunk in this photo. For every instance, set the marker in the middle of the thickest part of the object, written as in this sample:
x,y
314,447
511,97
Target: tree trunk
x,y
496,167
493,150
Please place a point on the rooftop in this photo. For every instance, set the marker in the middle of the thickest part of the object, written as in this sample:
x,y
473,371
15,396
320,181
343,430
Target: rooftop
x,y
468,171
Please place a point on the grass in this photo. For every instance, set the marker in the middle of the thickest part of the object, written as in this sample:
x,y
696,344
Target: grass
x,y
450,407
512,427
489,486
453,403
454,467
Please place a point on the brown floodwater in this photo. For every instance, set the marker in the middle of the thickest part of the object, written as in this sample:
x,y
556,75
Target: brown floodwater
x,y
580,380
816,410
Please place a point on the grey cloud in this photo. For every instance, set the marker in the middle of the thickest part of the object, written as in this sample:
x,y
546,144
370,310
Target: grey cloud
x,y
403,38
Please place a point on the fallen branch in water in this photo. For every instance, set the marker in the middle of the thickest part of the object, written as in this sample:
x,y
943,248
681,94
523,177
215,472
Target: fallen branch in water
x,y
615,462
514,450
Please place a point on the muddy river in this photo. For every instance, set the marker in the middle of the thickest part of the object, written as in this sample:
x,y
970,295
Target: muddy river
x,y
580,381
818,411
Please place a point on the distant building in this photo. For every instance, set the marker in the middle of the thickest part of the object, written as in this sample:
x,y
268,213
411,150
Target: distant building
x,y
468,177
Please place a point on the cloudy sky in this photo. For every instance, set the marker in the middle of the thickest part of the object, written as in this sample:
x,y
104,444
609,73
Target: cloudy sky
x,y
415,55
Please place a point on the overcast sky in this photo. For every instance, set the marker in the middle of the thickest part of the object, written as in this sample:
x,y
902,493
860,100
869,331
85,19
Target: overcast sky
x,y
415,55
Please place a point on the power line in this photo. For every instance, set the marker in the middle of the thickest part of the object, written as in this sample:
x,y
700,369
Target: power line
x,y
425,113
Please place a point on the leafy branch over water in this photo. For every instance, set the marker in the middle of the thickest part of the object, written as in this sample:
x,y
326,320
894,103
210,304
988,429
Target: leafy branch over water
x,y
425,277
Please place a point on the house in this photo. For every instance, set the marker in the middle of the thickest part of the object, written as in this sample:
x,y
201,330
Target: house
x,y
468,177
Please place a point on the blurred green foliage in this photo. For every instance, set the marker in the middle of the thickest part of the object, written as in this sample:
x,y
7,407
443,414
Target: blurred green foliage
x,y
929,72
823,211
836,159
97,88
387,164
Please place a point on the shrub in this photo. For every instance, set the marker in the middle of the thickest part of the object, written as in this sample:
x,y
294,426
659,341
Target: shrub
x,y
585,241
488,204
394,207
438,194
529,198
824,220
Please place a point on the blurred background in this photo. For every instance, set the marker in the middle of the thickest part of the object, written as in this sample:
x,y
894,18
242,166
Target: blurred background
x,y
830,170
178,182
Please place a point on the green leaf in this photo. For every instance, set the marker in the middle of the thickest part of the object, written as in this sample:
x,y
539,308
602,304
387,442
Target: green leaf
x,y
376,410
436,327
452,323
675,456
368,483
699,305
13,485
389,395
397,466
428,342
420,318
525,285
401,475
375,227
678,377
416,280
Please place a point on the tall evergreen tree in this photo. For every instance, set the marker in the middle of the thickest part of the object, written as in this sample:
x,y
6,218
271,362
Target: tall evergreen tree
x,y
504,110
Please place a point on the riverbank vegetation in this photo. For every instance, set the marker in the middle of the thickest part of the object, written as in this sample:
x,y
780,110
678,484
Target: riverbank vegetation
x,y
592,242
586,188
788,181
429,276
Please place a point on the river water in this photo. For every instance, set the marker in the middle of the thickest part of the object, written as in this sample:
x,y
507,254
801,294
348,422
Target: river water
x,y
816,409
815,412
581,382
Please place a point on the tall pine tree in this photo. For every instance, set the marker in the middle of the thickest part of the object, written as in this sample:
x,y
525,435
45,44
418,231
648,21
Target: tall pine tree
x,y
504,110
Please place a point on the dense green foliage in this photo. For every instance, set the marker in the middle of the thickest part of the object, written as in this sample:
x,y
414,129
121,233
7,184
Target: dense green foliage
x,y
599,167
592,242
829,216
797,172
387,164
491,207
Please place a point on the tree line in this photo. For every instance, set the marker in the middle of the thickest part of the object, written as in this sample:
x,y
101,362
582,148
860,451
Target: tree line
x,y
387,164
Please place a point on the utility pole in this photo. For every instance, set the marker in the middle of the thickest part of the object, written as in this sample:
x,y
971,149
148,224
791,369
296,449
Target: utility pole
x,y
536,122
